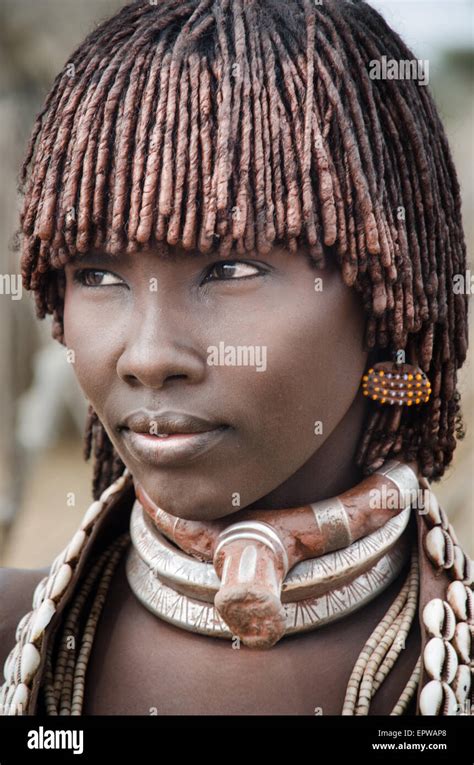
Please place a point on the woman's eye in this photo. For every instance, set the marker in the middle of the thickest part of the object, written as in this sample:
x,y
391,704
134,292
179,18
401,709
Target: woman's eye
x,y
232,270
93,277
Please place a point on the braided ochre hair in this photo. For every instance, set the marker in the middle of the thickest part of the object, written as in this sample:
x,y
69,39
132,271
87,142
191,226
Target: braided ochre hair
x,y
234,125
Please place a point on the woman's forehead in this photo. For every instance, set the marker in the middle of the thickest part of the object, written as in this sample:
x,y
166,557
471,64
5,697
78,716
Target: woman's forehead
x,y
177,254
158,252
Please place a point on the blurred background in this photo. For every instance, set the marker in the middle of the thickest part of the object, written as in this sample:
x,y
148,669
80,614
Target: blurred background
x,y
44,481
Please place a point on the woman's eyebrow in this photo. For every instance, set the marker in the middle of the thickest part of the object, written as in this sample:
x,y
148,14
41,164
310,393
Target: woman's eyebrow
x,y
101,257
173,256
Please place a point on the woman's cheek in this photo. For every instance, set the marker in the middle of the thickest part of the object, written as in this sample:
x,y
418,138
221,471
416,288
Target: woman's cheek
x,y
314,368
93,345
92,377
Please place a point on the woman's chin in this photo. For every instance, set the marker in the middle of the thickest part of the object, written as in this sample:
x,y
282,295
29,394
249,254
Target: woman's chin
x,y
188,507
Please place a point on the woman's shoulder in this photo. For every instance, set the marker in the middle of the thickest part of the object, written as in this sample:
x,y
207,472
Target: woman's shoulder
x,y
17,586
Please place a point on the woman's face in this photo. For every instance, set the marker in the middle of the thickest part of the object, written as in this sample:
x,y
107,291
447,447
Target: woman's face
x,y
265,351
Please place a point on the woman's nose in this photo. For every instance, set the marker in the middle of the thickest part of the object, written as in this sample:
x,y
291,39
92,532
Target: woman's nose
x,y
160,345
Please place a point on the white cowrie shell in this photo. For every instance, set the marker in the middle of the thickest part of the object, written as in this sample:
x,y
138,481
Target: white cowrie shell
x,y
91,514
459,564
460,598
11,663
438,618
439,547
57,563
30,661
60,582
113,488
42,618
23,625
444,519
452,534
75,546
3,693
19,700
462,642
39,592
431,508
461,684
437,698
440,660
9,696
469,571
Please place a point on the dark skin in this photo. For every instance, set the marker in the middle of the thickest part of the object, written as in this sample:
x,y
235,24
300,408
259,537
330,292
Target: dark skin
x,y
151,352
142,665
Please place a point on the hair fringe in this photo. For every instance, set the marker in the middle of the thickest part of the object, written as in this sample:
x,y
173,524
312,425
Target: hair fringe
x,y
221,126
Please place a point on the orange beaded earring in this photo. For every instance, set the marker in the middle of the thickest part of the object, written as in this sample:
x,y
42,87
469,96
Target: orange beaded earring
x,y
392,383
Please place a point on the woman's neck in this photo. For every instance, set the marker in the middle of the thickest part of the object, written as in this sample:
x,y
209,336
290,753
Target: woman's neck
x,y
331,470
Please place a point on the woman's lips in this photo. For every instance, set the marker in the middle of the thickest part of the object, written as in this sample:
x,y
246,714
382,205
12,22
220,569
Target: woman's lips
x,y
174,449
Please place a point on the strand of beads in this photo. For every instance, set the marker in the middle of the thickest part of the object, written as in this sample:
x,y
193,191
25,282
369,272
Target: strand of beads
x,y
382,649
65,683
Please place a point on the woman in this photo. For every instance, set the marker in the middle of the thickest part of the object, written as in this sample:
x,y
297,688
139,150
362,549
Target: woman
x,y
247,245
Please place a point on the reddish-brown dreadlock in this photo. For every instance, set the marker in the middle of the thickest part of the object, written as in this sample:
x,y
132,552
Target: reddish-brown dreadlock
x,y
233,125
